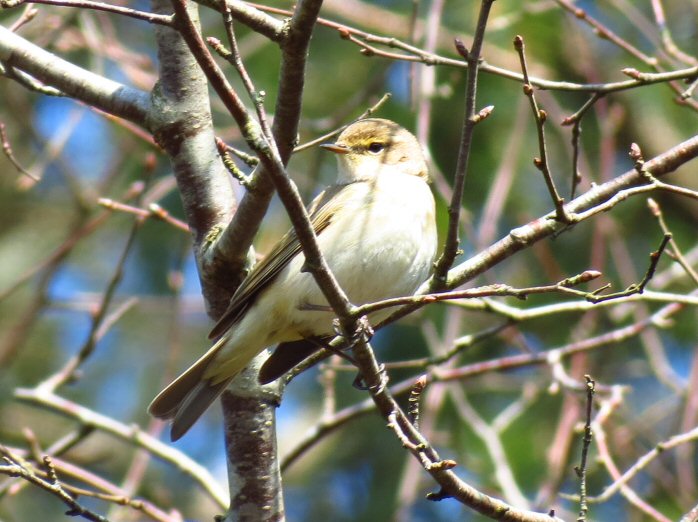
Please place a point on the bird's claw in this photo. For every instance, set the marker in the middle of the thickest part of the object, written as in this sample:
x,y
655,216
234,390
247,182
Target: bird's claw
x,y
360,384
363,332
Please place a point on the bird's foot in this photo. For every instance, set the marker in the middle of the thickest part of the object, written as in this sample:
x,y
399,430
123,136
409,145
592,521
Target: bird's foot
x,y
362,333
375,389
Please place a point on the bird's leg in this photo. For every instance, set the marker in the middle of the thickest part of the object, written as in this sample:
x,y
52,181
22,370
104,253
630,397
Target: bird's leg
x,y
359,383
363,333
310,307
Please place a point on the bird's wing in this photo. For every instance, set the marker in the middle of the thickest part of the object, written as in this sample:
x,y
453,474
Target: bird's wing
x,y
322,210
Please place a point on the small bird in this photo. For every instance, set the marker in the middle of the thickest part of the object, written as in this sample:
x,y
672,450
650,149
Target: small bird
x,y
376,228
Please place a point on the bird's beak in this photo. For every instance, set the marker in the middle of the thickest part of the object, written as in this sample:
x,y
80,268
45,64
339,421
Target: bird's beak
x,y
334,147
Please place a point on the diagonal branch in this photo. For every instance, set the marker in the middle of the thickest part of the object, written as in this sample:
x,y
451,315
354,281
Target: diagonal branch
x,y
547,226
255,19
440,470
579,209
231,248
76,82
270,158
98,6
126,433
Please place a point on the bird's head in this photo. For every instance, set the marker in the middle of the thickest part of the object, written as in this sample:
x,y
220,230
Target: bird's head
x,y
371,147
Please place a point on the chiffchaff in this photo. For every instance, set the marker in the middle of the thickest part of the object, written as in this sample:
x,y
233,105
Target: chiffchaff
x,y
377,231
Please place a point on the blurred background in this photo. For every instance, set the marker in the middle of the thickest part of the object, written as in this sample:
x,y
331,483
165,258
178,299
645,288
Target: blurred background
x,y
514,434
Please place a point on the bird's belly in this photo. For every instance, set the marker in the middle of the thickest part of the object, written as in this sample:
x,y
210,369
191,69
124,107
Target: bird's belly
x,y
379,266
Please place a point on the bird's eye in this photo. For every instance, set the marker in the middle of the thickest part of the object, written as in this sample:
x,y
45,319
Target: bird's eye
x,y
376,147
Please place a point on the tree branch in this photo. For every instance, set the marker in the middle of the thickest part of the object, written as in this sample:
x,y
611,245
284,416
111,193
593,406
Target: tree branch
x,y
97,6
130,434
547,226
253,18
76,82
233,244
181,124
470,119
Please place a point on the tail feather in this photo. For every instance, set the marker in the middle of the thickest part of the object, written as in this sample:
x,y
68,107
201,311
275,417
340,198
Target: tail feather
x,y
189,390
194,405
189,395
169,400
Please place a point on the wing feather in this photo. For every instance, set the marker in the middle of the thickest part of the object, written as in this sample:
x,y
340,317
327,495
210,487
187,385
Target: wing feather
x,y
279,257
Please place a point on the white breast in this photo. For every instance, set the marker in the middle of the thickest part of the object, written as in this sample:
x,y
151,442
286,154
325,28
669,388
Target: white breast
x,y
382,246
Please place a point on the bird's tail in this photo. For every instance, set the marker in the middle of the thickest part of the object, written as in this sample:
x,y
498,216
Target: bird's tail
x,y
189,395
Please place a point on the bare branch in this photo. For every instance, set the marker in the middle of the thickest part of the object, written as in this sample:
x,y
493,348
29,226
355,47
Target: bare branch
x,y
581,208
130,434
252,17
7,149
14,467
417,55
232,246
470,119
92,89
542,163
586,442
440,470
98,6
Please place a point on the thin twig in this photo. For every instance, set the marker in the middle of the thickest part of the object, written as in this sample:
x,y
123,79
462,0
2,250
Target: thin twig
x,y
99,319
607,34
249,159
99,488
235,171
576,121
667,41
542,163
635,288
366,114
435,374
153,211
604,32
607,407
82,231
598,199
494,446
7,149
563,286
470,119
130,434
56,449
641,464
97,6
675,250
14,467
451,486
586,442
27,16
415,54
257,97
